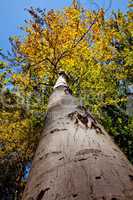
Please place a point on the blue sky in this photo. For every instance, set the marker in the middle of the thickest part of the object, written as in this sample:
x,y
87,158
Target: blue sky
x,y
13,14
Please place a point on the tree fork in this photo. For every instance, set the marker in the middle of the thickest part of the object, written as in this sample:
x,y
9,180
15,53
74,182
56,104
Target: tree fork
x,y
76,159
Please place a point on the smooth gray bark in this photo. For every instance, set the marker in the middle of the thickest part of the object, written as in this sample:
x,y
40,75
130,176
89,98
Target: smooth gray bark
x,y
76,159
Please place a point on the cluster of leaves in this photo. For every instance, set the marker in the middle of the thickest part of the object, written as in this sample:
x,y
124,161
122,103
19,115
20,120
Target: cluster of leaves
x,y
19,134
95,52
120,126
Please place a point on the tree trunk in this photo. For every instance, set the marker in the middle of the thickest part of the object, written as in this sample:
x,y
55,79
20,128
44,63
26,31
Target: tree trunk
x,y
76,159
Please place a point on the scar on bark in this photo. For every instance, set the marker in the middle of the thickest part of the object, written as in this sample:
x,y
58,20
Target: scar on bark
x,y
84,154
87,151
52,154
75,115
41,193
86,119
131,177
57,129
98,177
74,195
